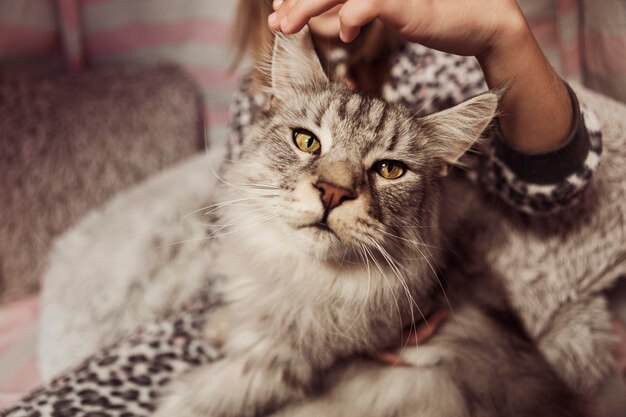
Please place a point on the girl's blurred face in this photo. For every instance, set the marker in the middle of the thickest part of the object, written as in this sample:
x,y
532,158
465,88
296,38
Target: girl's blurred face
x,y
326,25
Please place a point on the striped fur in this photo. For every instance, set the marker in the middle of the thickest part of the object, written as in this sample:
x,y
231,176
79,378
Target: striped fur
x,y
306,286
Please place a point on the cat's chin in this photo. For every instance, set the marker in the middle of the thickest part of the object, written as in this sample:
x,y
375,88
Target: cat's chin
x,y
319,241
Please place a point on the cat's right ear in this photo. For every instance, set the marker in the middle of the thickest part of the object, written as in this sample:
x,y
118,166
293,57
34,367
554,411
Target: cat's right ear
x,y
294,65
454,131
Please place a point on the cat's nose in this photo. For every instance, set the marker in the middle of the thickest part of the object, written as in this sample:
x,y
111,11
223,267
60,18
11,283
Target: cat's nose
x,y
333,195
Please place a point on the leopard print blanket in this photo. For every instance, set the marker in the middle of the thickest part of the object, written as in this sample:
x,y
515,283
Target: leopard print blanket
x,y
126,379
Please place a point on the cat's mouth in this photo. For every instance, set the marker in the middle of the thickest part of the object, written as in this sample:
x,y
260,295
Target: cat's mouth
x,y
322,226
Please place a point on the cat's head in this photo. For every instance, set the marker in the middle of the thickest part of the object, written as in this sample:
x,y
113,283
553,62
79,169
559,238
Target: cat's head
x,y
331,173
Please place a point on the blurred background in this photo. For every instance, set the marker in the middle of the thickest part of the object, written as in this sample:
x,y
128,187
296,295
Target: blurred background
x,y
96,95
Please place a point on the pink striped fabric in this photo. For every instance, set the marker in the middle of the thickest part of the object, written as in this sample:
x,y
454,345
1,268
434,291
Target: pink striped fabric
x,y
70,27
15,40
195,36
28,29
129,38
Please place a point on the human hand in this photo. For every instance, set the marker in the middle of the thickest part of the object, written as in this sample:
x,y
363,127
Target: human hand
x,y
462,27
418,334
494,31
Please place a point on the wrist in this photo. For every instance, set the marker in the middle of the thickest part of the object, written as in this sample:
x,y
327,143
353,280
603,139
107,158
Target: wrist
x,y
536,111
510,38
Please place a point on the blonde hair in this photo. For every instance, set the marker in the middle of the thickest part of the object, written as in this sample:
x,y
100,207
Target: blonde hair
x,y
368,54
250,32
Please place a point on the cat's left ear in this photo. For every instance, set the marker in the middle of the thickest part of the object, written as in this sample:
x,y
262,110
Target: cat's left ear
x,y
454,131
295,64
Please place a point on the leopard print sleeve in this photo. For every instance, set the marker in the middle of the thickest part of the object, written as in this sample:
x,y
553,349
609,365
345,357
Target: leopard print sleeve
x,y
243,107
546,183
537,184
430,81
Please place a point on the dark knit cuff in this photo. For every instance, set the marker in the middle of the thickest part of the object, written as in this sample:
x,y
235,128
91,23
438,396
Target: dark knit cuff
x,y
553,166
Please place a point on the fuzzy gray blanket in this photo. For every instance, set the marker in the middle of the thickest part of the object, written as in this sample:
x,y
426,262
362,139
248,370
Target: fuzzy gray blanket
x,y
554,269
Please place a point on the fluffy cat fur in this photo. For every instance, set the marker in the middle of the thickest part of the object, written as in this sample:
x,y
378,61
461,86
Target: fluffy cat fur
x,y
314,280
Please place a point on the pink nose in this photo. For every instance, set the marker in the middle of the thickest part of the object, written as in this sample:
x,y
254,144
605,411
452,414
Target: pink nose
x,y
333,195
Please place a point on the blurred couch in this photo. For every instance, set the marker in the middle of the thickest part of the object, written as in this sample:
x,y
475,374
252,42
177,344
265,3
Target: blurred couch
x,y
98,111
68,142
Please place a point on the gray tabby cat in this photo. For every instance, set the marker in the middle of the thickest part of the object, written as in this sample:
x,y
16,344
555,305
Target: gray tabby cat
x,y
342,228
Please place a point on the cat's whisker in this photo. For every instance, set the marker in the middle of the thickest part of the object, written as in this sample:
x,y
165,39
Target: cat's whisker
x,y
212,236
260,186
413,226
419,110
403,250
213,171
412,242
259,221
394,267
250,220
180,242
395,299
234,185
343,258
249,201
205,137
412,301
393,294
218,205
436,276
240,204
248,212
252,185
361,254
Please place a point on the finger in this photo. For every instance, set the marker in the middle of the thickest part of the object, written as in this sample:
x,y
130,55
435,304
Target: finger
x,y
355,14
390,358
281,9
424,331
273,21
302,11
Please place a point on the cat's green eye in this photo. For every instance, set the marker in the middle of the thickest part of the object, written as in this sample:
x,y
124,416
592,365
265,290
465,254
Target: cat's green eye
x,y
306,141
389,169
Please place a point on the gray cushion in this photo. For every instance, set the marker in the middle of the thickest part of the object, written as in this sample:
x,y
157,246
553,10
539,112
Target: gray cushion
x,y
69,142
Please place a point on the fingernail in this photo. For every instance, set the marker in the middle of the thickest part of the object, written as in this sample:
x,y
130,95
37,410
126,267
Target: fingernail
x,y
272,19
348,37
277,3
